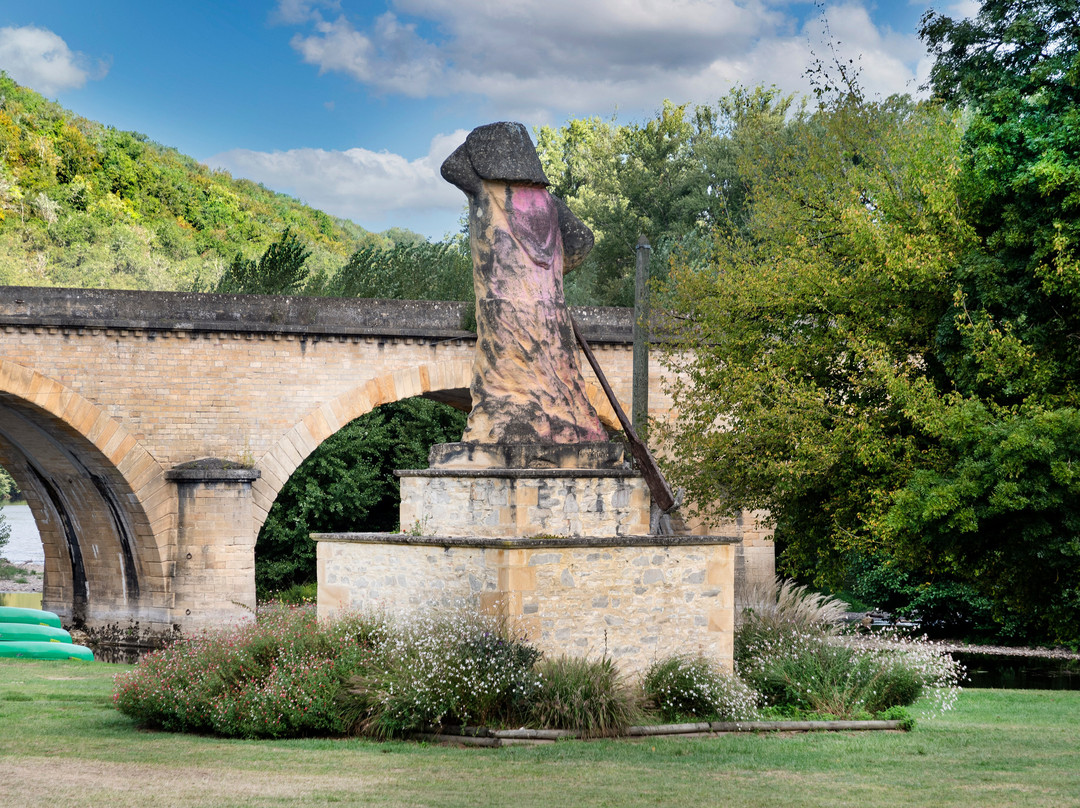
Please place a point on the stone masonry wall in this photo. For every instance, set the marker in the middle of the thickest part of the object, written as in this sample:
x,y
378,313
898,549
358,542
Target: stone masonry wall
x,y
513,503
635,601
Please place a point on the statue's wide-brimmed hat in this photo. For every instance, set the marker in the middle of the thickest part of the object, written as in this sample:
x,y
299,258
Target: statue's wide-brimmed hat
x,y
500,152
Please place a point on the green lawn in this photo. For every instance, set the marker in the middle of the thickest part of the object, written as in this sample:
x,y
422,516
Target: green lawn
x,y
62,743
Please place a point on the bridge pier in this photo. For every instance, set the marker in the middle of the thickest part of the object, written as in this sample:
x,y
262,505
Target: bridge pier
x,y
214,569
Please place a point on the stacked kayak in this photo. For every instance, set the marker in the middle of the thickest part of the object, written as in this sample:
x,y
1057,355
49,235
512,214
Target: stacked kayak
x,y
36,634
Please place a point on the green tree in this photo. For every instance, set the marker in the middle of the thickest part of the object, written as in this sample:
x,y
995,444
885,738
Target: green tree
x,y
672,179
280,270
347,484
885,357
408,270
9,489
1016,66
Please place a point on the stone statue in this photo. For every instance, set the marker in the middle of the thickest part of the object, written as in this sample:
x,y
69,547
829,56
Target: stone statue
x,y
527,386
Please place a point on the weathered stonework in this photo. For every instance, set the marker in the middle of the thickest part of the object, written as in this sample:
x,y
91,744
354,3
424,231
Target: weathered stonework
x,y
215,570
635,599
501,490
103,391
512,502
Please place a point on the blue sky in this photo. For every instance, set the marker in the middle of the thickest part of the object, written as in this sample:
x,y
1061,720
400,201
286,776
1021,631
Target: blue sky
x,y
351,105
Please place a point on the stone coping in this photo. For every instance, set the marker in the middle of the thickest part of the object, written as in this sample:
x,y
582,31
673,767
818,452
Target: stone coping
x,y
476,455
272,314
524,542
212,469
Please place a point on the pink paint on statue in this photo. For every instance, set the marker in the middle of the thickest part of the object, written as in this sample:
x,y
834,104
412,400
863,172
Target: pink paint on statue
x,y
527,386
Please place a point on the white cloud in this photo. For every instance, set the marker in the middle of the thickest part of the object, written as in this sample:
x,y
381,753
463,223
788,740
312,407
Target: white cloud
x,y
963,8
531,56
297,11
38,58
374,189
392,59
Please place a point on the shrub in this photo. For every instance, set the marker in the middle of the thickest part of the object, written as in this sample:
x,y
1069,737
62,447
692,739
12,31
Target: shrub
x,y
685,687
297,594
449,668
779,605
842,677
788,646
275,677
584,695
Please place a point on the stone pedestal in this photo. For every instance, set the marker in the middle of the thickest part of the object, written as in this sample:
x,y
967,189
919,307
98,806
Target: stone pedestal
x,y
553,538
521,491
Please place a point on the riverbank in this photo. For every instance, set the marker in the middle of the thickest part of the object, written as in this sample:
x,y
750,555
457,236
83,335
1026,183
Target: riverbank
x,y
24,577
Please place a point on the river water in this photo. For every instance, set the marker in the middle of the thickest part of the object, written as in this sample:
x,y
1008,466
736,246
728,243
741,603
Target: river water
x,y
24,544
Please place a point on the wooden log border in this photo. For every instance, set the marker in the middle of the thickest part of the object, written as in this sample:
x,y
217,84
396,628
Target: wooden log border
x,y
486,737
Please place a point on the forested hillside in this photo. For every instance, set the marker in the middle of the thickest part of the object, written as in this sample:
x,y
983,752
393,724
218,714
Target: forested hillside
x,y
83,204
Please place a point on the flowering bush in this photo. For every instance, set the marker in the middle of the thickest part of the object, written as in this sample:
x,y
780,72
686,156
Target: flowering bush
x,y
272,678
788,645
682,687
441,668
289,675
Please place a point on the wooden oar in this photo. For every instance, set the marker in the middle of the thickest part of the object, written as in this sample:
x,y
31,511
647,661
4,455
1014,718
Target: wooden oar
x,y
658,486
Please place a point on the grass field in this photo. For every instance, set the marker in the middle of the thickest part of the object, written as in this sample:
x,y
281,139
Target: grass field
x,y
63,744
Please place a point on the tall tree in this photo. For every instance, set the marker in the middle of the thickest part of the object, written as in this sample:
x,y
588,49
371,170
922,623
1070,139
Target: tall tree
x,y
280,270
795,339
408,270
671,178
887,356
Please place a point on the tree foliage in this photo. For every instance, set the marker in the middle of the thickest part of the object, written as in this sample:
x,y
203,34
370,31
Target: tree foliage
x,y
280,270
410,270
862,370
9,489
672,179
82,204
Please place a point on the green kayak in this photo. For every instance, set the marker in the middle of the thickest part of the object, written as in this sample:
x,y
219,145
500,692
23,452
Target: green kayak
x,y
45,650
16,614
27,631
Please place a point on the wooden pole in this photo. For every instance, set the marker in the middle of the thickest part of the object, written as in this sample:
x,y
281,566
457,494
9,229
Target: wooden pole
x,y
654,478
639,402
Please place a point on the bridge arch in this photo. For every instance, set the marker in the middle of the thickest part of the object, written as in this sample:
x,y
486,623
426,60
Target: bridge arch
x,y
88,482
446,381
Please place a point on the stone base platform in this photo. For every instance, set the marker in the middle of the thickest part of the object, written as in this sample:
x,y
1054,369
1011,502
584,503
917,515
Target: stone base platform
x,y
635,598
508,490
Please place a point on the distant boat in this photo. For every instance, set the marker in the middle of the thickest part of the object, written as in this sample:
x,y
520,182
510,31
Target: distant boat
x,y
36,634
46,650
37,617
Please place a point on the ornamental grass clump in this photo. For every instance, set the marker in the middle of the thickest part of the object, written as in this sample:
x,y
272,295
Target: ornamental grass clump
x,y
275,677
585,695
692,688
443,668
788,646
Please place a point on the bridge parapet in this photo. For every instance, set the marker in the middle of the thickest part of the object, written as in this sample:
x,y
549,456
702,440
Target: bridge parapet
x,y
31,306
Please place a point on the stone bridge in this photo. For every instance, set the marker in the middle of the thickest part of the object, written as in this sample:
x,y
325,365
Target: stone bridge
x,y
111,404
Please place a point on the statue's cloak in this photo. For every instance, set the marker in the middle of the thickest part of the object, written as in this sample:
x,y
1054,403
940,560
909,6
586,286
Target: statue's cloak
x,y
527,385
